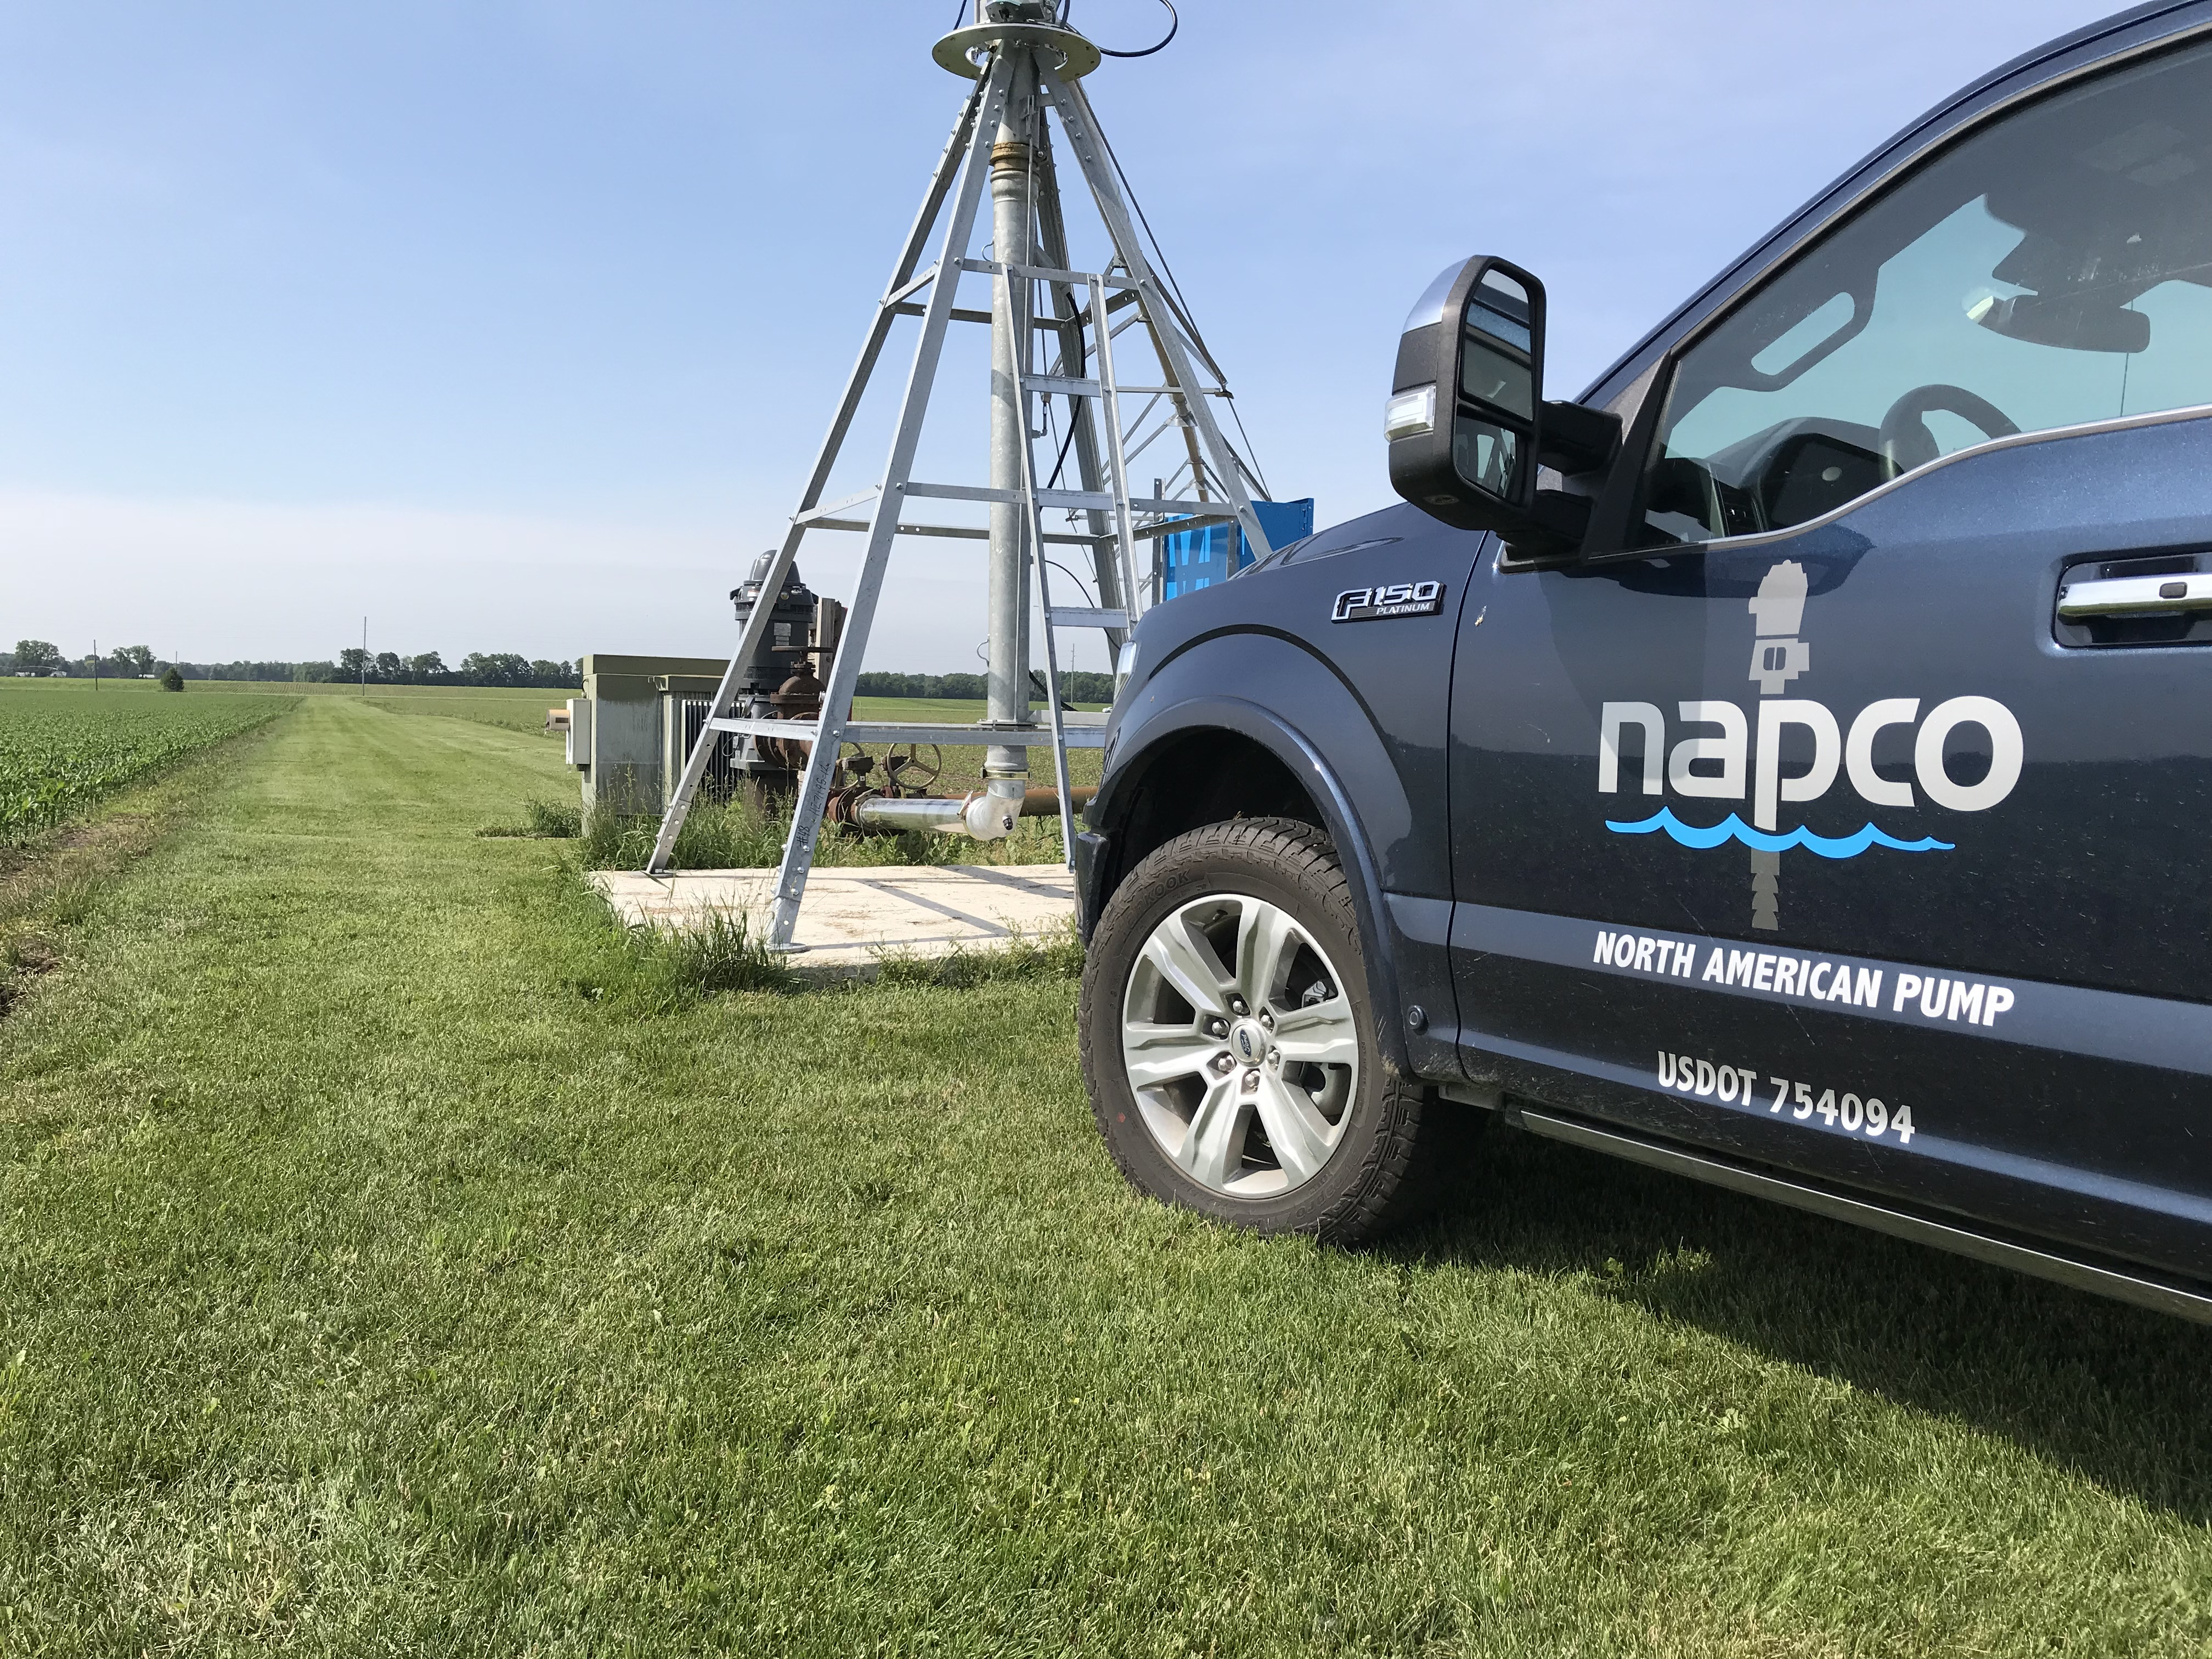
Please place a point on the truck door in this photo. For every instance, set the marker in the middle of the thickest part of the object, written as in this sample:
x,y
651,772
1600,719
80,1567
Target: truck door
x,y
1856,822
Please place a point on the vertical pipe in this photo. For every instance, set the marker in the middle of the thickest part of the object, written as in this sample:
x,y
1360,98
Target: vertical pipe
x,y
1012,237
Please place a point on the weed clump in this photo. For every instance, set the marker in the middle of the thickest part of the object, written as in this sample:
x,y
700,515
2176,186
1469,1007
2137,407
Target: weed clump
x,y
648,971
541,821
671,967
736,835
553,823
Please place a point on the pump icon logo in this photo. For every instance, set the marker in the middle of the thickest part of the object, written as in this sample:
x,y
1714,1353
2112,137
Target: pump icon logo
x,y
1777,655
1736,754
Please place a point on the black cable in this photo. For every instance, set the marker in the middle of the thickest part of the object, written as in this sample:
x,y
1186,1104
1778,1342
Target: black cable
x,y
1182,306
1081,586
1059,463
1173,23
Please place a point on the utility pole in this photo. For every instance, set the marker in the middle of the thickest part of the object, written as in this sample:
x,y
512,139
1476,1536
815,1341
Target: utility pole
x,y
95,664
364,656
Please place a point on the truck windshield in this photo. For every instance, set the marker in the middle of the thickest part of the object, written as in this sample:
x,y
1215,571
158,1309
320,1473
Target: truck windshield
x,y
2054,268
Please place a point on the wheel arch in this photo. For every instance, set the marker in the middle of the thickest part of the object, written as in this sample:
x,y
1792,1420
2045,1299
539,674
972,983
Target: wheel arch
x,y
1212,758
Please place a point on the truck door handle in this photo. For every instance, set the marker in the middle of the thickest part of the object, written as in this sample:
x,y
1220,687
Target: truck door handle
x,y
2136,596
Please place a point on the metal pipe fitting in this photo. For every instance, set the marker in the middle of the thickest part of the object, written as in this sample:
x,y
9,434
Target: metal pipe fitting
x,y
988,814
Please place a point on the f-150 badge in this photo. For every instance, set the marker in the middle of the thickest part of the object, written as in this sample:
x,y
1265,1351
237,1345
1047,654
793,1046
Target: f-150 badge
x,y
1378,603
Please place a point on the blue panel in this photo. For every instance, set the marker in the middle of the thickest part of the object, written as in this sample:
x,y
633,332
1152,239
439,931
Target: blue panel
x,y
1191,559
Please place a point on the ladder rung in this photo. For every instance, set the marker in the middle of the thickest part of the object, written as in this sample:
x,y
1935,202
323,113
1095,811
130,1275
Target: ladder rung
x,y
1083,730
1062,385
740,726
1152,532
1046,274
1042,324
908,309
957,531
1080,616
1094,501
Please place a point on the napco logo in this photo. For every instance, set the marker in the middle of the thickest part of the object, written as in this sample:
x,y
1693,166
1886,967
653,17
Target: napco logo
x,y
1737,754
1397,599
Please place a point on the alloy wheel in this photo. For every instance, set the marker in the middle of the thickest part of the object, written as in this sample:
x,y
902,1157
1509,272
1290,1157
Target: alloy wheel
x,y
1241,1045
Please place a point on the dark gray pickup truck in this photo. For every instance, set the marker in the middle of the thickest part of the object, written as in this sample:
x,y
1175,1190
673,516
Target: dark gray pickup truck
x,y
1790,763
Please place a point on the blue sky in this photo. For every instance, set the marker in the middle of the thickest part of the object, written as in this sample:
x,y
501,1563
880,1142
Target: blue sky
x,y
515,325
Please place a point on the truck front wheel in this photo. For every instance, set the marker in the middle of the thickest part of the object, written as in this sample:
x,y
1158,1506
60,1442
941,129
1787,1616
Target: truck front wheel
x,y
1229,1044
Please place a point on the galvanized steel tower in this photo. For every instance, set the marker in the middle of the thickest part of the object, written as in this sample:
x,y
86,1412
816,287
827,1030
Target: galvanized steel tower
x,y
1027,64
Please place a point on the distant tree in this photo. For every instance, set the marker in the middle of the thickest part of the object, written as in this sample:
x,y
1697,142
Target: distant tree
x,y
388,667
428,669
36,656
311,672
1075,685
173,680
135,660
495,668
351,662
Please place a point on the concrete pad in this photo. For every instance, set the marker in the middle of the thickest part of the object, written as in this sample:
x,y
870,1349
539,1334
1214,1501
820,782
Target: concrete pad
x,y
852,919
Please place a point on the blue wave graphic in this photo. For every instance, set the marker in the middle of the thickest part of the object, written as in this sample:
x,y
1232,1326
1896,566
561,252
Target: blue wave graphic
x,y
1734,828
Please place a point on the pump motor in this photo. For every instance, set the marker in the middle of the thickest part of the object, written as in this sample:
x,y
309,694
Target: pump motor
x,y
783,680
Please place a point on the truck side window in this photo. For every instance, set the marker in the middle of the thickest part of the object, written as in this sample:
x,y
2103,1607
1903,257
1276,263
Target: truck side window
x,y
2054,268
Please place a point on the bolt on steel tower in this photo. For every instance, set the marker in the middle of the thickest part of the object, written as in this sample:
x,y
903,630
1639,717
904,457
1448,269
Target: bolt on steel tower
x,y
1054,335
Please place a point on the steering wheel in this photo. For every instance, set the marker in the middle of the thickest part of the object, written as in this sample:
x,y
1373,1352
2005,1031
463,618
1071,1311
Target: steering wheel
x,y
1906,442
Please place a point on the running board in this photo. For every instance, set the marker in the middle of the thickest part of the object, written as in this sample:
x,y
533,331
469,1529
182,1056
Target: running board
x,y
2081,1275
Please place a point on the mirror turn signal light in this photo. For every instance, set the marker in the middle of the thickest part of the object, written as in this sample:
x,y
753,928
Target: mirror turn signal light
x,y
1410,414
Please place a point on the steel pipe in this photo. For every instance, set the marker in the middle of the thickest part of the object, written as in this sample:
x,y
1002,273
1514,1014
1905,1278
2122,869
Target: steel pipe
x,y
988,814
1012,219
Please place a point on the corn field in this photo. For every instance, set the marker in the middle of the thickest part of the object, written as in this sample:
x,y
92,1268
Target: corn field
x,y
60,753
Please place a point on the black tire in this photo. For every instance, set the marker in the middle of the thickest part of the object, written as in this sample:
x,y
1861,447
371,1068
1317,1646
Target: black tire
x,y
1386,1165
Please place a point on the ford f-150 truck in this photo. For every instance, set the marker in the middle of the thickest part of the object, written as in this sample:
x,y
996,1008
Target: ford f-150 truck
x,y
1788,764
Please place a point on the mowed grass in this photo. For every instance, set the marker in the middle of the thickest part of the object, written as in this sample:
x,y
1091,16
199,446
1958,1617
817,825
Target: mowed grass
x,y
378,1277
520,710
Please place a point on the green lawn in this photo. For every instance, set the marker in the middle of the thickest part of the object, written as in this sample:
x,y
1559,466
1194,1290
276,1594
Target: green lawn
x,y
379,1276
520,710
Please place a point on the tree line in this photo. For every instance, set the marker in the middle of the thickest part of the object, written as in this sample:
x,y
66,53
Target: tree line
x,y
477,668
499,668
1076,686
490,668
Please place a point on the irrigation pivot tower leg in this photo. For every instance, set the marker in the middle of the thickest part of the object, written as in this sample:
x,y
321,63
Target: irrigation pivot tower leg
x,y
1021,65
951,166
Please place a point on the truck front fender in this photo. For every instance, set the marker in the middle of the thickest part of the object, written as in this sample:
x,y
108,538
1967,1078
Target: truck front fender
x,y
1249,755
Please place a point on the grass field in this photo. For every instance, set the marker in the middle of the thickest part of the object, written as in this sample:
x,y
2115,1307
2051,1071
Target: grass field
x,y
381,1275
521,710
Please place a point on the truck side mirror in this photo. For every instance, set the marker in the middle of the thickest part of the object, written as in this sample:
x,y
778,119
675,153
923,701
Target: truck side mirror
x,y
1466,418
